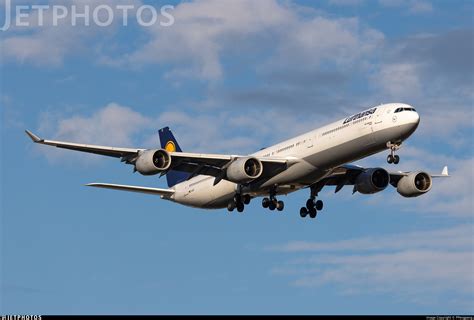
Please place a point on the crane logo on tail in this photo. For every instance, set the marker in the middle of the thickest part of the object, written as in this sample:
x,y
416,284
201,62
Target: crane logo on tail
x,y
170,146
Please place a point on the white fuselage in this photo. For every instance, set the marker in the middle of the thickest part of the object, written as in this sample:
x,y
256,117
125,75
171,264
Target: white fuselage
x,y
317,153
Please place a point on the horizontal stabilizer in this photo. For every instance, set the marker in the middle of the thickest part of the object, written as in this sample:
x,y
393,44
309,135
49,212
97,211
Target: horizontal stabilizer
x,y
164,193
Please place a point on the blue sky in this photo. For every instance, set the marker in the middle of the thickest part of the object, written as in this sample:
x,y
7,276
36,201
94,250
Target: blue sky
x,y
232,77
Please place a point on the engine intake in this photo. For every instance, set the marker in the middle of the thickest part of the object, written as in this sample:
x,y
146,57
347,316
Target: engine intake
x,y
415,184
151,162
372,181
244,170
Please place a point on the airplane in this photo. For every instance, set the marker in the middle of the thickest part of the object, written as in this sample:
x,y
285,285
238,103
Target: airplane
x,y
312,160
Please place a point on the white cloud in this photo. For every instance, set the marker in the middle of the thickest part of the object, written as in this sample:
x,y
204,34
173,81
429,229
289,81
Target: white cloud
x,y
455,238
112,125
49,45
202,30
203,34
33,49
413,6
447,126
430,264
206,30
399,80
341,41
417,7
392,3
346,2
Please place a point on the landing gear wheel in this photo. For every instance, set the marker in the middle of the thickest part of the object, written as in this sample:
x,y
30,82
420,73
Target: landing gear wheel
x,y
272,206
313,213
265,202
280,205
230,207
319,205
303,212
309,204
246,199
240,207
396,159
392,157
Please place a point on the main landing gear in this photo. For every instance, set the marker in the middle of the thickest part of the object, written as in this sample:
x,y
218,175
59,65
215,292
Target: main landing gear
x,y
392,157
239,202
272,203
312,206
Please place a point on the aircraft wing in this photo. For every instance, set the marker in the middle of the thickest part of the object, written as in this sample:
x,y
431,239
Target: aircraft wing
x,y
102,150
164,193
192,163
347,174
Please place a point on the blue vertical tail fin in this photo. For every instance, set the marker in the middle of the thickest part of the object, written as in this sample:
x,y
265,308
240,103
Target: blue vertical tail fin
x,y
169,143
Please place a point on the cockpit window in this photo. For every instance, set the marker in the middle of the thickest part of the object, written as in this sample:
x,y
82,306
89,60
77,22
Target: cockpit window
x,y
404,109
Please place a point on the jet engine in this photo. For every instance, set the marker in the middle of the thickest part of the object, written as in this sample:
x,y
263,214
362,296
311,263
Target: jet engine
x,y
151,162
415,184
244,170
372,181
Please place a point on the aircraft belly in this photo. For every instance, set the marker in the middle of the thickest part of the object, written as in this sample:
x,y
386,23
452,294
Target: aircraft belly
x,y
206,195
296,173
357,148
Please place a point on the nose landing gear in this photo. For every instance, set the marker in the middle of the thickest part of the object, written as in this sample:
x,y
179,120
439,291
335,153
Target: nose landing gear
x,y
392,157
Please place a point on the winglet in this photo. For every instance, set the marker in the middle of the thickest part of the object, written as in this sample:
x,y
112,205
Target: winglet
x,y
445,171
33,136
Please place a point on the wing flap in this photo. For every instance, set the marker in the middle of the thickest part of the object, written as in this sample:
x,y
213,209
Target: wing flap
x,y
164,193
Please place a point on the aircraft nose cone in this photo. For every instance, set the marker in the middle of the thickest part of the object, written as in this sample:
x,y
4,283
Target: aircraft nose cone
x,y
416,118
413,121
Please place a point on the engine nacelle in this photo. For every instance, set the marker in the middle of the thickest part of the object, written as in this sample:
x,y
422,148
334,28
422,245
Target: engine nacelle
x,y
415,184
244,170
372,181
151,162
